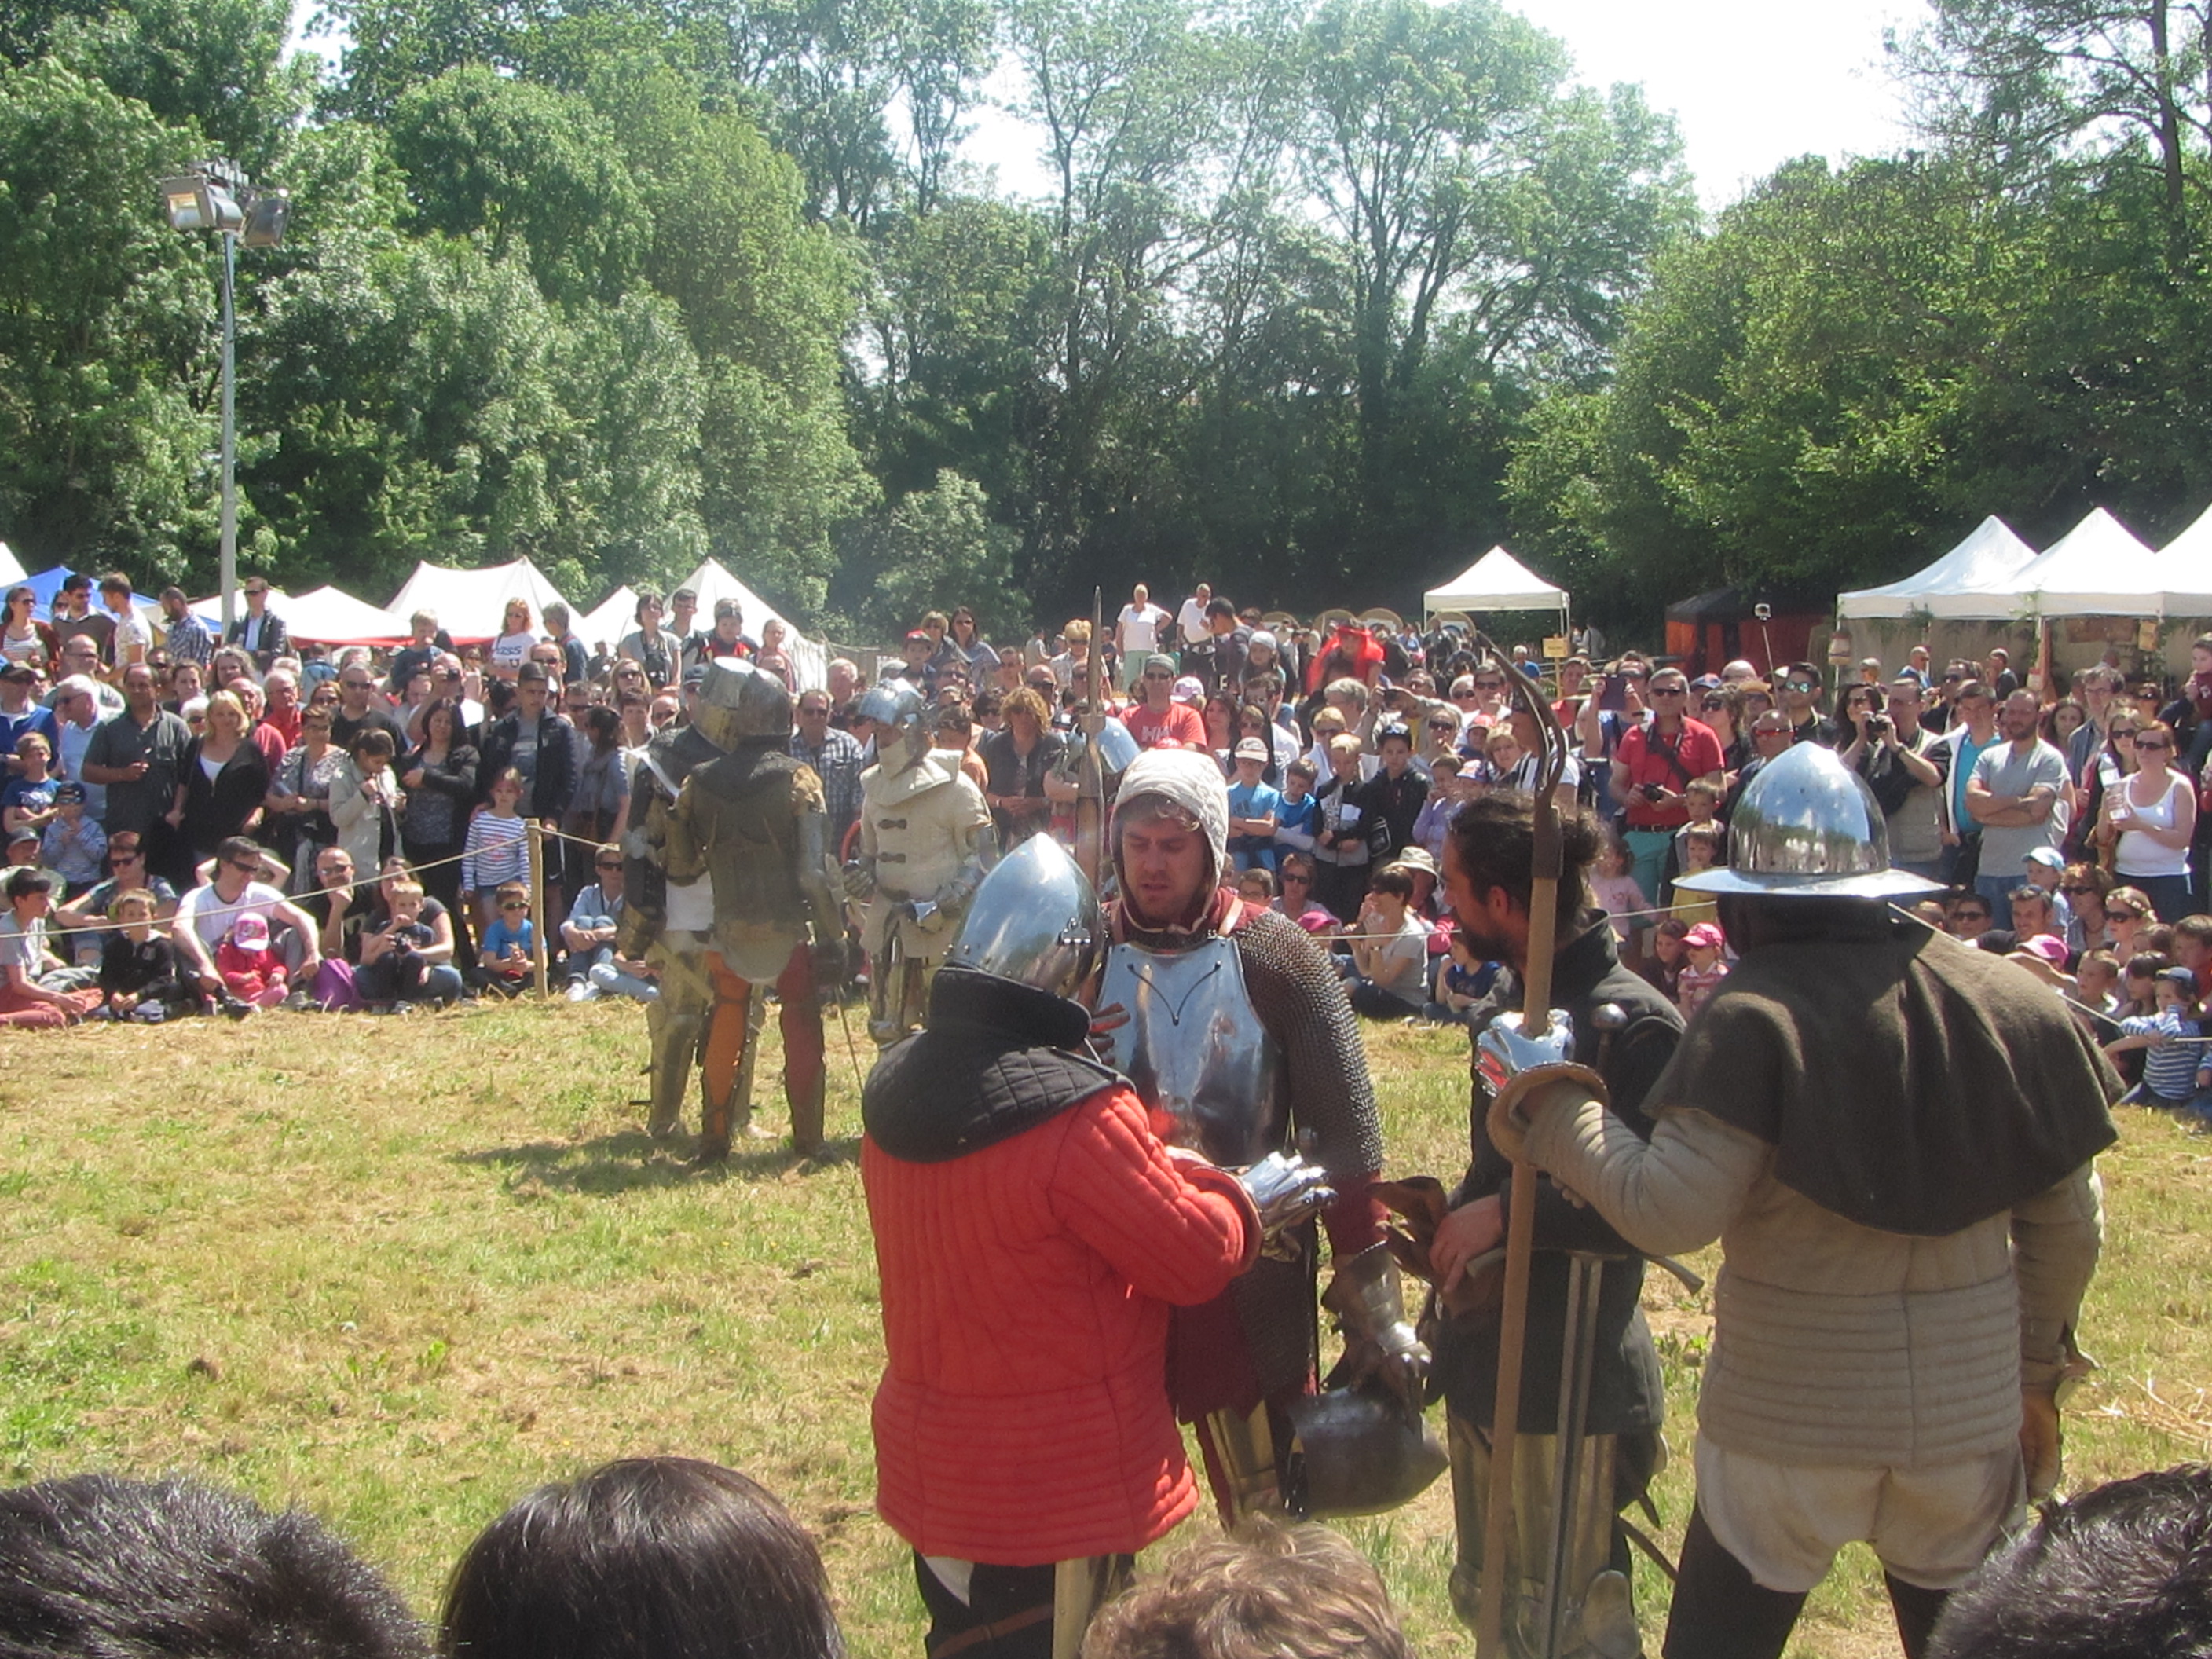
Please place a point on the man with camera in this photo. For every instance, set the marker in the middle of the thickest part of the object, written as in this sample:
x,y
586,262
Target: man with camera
x,y
1655,764
1905,764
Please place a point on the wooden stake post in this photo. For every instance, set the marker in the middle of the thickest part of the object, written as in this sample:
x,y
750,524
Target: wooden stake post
x,y
538,907
1545,863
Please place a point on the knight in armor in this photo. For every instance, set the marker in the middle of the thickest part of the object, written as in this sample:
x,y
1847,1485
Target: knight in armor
x,y
668,920
1893,1139
1031,1234
1598,1372
752,825
925,840
1239,1034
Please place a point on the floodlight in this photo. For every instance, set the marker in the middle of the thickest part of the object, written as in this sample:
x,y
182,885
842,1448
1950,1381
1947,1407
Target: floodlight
x,y
265,219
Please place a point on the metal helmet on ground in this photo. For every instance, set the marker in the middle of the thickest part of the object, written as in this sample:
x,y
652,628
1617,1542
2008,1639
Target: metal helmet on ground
x,y
1808,826
746,702
1034,919
898,707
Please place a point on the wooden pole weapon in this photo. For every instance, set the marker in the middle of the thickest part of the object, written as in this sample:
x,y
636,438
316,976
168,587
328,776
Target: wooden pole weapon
x,y
1547,857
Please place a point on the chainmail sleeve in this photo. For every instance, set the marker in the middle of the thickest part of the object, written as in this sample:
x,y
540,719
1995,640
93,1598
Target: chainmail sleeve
x,y
1302,1001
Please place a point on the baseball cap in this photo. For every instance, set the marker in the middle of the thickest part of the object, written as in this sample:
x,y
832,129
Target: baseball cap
x,y
1705,933
2181,976
1189,689
251,933
915,636
1251,749
2052,950
22,836
18,670
69,794
2049,857
1157,663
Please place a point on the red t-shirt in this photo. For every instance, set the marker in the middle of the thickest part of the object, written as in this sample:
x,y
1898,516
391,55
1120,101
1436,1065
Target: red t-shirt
x,y
1646,758
1179,723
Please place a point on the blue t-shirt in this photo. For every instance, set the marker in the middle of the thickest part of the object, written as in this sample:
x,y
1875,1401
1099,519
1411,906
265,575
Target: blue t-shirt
x,y
1302,815
499,936
31,797
1253,800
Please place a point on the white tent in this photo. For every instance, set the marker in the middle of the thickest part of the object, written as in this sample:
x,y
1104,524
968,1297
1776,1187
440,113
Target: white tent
x,y
2184,566
471,603
2098,568
1963,584
323,615
612,618
1497,582
711,582
11,570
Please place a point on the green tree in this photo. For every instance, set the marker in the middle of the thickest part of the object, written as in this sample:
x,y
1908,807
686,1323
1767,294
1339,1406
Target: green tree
x,y
935,548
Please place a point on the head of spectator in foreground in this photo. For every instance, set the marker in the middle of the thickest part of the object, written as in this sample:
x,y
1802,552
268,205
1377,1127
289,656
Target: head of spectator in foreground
x,y
170,1569
1267,1591
649,1558
2124,1569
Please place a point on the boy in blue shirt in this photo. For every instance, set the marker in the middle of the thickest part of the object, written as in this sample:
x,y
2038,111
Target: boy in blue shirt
x,y
1297,814
505,956
1252,807
2175,1073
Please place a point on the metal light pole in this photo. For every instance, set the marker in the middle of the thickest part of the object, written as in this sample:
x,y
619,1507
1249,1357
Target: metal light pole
x,y
215,196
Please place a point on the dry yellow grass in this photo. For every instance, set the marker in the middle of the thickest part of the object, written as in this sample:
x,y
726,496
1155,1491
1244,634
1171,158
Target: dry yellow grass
x,y
400,1270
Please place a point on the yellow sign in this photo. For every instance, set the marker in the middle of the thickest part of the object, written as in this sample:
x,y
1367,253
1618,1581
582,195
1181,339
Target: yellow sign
x,y
2147,634
1555,647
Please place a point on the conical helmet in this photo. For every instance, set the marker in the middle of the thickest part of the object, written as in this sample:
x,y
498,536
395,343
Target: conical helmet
x,y
898,706
1808,826
1034,919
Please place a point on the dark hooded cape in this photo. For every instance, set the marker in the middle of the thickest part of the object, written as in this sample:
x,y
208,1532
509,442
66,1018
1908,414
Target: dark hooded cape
x,y
1905,1084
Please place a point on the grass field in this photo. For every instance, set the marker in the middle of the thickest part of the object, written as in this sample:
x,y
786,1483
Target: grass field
x,y
397,1271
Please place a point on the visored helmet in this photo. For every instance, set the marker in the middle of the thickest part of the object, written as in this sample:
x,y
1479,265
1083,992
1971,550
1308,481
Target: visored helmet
x,y
749,704
1034,919
898,706
1808,826
1360,1452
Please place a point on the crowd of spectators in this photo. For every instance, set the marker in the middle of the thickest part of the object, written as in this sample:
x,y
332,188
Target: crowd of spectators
x,y
241,777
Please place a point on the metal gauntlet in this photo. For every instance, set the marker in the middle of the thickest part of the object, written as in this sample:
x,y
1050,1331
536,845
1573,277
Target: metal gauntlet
x,y
1516,1066
1285,1189
1368,1299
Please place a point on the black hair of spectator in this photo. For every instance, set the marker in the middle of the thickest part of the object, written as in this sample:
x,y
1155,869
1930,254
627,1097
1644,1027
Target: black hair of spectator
x,y
647,1557
2124,1569
238,850
499,698
26,879
1493,837
96,1564
1220,607
602,725
374,740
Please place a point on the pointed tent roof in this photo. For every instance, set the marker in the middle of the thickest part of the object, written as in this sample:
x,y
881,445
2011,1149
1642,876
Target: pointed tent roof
x,y
1981,565
2098,568
11,568
1496,581
323,615
2184,567
609,620
810,663
471,603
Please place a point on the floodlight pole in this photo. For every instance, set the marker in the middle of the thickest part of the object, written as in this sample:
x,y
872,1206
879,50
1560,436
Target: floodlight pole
x,y
230,571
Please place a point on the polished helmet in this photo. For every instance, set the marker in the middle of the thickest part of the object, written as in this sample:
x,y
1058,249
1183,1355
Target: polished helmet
x,y
1807,827
1034,919
1359,1451
749,704
898,706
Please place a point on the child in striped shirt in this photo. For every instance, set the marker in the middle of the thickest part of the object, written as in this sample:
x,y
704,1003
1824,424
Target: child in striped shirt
x,y
495,852
2174,1073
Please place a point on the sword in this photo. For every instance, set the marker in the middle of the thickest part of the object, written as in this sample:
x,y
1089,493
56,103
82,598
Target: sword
x,y
852,1049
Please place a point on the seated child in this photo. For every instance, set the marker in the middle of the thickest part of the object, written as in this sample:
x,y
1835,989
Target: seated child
x,y
1701,845
139,976
74,847
1256,886
394,968
504,954
2173,1073
253,974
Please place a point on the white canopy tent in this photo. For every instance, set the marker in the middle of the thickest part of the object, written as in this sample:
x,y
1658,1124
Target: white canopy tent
x,y
607,621
810,663
2098,568
1498,581
11,569
323,615
2184,567
1962,585
471,603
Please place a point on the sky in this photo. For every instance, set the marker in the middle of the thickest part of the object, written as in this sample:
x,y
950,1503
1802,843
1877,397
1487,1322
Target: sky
x,y
1752,83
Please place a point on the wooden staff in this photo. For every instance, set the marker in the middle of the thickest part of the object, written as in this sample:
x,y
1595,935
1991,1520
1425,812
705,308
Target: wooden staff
x,y
1090,855
1546,859
538,907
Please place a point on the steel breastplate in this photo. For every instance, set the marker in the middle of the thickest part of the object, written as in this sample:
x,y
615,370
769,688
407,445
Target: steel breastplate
x,y
1194,1049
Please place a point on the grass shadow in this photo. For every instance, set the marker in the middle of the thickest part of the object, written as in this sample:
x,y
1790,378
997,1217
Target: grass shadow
x,y
631,1160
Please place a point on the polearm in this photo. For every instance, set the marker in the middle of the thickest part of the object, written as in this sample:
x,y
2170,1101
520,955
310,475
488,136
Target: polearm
x,y
1546,861
1091,771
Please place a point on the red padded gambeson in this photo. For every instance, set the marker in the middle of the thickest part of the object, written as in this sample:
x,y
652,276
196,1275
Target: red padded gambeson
x,y
1023,1417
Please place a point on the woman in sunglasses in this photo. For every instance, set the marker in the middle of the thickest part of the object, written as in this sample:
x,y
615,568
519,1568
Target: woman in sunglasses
x,y
2148,818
